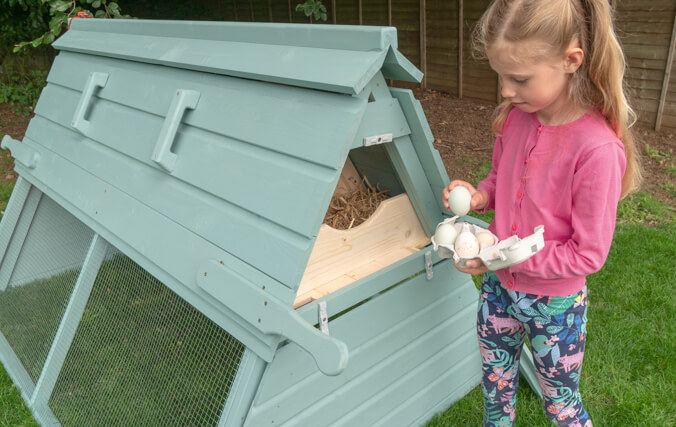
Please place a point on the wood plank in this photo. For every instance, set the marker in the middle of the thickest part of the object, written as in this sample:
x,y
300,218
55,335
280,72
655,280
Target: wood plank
x,y
215,220
412,175
349,181
391,233
227,106
420,331
422,140
205,160
322,68
667,74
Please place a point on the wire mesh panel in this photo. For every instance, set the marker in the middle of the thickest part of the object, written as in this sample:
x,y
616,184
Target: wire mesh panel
x,y
143,356
38,274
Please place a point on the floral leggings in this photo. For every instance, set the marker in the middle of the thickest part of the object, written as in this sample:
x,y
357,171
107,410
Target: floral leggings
x,y
556,329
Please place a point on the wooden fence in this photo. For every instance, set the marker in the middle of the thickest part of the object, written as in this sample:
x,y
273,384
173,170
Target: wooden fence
x,y
436,36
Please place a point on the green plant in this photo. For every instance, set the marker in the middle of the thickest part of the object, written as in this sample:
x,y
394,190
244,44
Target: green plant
x,y
312,9
48,18
641,208
658,155
21,88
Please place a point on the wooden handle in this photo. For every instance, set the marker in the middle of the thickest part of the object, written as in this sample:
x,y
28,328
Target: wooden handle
x,y
162,154
96,80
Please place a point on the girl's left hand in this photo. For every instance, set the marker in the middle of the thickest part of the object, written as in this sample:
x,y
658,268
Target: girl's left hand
x,y
473,267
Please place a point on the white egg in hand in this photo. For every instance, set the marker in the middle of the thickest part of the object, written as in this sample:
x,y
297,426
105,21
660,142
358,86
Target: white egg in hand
x,y
459,200
466,245
445,234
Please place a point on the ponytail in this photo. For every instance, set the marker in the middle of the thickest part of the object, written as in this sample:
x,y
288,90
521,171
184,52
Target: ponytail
x,y
606,67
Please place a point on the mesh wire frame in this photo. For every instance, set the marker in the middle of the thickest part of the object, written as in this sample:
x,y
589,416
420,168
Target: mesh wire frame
x,y
141,355
38,273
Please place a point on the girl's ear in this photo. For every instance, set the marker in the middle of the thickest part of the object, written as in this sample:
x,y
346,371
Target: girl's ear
x,y
573,57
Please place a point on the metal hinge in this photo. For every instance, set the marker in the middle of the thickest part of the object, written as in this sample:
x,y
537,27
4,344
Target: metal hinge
x,y
323,317
428,265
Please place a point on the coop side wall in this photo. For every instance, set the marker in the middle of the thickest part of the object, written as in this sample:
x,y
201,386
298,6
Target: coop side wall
x,y
413,351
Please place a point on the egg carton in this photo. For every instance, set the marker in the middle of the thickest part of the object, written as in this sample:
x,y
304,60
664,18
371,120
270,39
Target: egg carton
x,y
504,253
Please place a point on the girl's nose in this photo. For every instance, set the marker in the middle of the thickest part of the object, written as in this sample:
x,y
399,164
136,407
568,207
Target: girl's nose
x,y
506,91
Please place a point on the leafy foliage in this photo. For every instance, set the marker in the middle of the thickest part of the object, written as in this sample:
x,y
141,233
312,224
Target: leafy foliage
x,y
42,21
21,88
312,9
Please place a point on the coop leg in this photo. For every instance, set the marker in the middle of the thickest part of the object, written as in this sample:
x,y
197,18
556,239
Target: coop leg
x,y
243,390
20,211
71,318
12,212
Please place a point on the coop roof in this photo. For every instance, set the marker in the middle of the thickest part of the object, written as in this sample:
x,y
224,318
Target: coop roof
x,y
257,154
325,57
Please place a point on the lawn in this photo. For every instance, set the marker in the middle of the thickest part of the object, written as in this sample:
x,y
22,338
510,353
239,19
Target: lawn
x,y
630,366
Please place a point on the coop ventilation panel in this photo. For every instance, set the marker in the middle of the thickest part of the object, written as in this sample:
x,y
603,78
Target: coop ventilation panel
x,y
92,338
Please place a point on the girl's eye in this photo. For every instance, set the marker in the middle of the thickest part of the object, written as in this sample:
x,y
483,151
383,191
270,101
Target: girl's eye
x,y
521,81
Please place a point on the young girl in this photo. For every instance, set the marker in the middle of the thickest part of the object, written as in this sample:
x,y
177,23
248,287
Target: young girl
x,y
563,158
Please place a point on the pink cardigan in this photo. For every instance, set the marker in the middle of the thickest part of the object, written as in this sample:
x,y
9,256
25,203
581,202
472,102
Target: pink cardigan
x,y
567,178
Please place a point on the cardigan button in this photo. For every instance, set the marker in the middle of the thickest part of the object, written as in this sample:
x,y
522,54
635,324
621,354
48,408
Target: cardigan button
x,y
514,227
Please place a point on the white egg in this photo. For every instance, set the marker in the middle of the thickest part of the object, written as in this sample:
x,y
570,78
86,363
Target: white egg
x,y
445,234
466,245
485,239
459,200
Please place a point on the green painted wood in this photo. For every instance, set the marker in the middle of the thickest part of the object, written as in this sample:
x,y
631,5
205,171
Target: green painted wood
x,y
95,81
159,245
458,365
391,337
69,322
422,138
325,64
412,175
225,225
381,117
363,289
311,125
243,390
15,369
209,158
271,316
12,214
21,154
438,392
338,37
44,416
19,237
397,67
374,164
396,315
207,162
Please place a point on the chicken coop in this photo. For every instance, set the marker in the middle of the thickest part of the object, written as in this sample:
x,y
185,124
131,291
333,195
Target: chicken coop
x,y
164,254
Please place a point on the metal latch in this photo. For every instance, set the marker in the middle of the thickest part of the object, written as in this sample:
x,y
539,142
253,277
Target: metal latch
x,y
428,265
377,139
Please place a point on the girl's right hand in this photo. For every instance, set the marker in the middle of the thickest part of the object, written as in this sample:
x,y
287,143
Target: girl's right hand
x,y
479,197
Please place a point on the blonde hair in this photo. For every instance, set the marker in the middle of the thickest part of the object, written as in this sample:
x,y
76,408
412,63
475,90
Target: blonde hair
x,y
599,82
